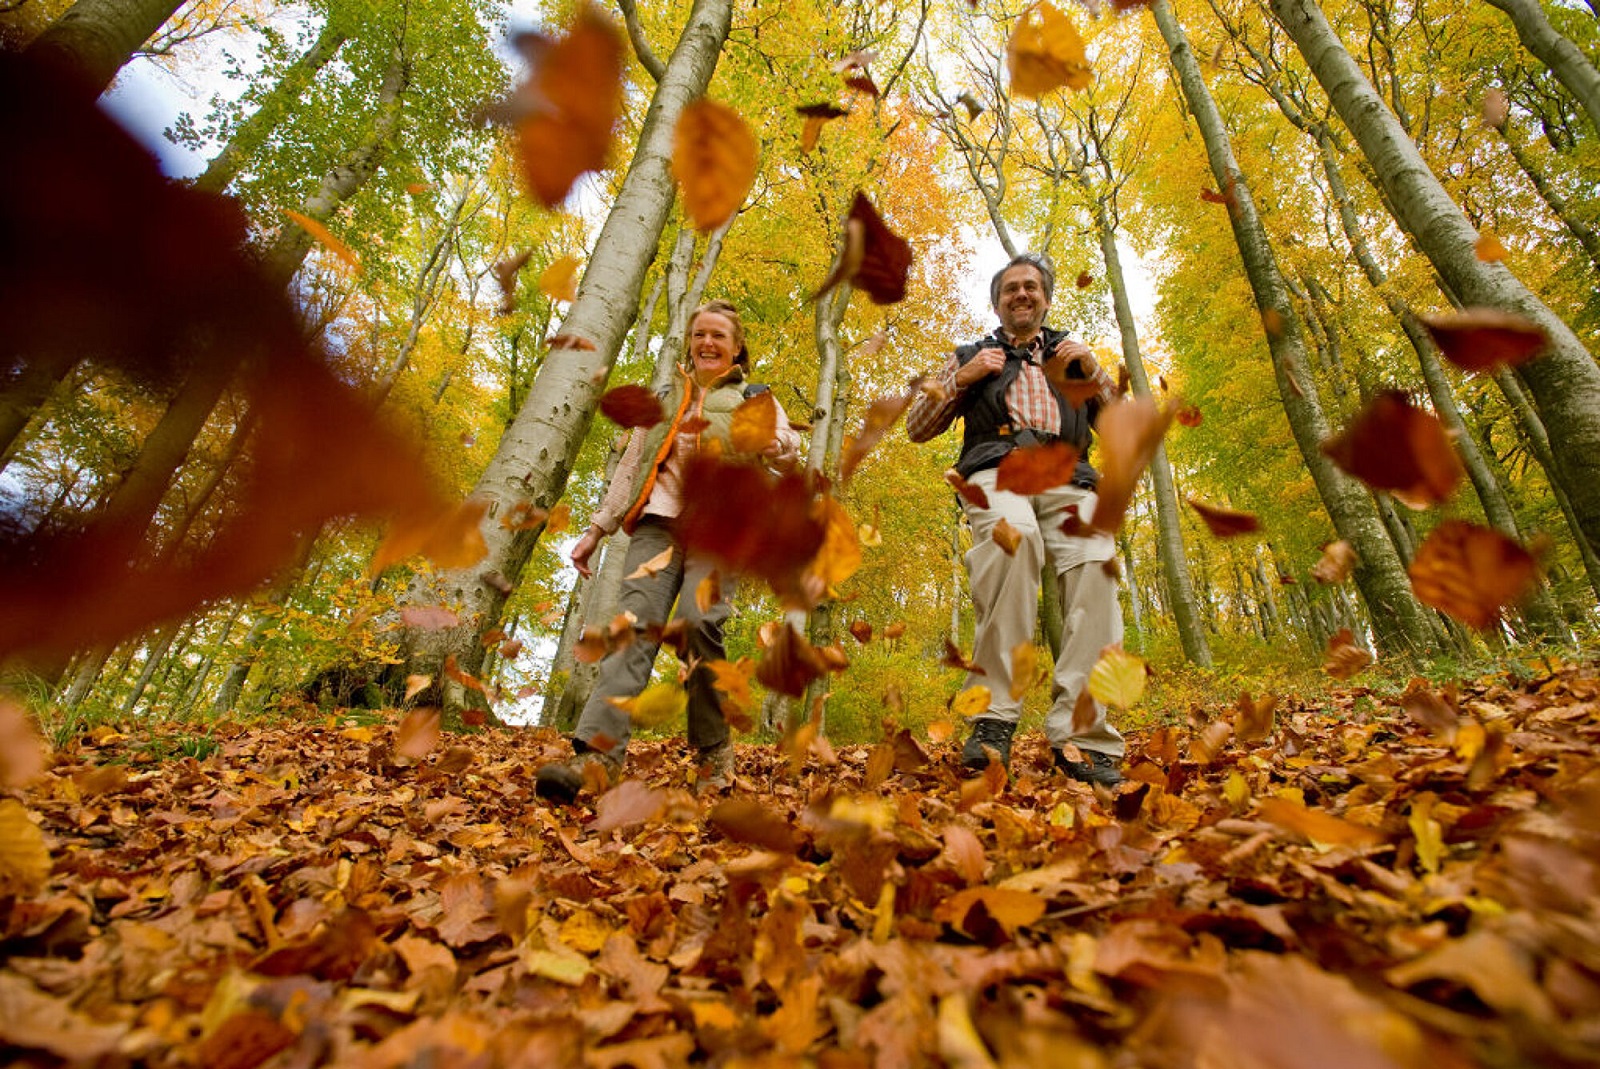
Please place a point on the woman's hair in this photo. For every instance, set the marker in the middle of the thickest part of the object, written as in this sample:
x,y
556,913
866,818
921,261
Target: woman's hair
x,y
731,314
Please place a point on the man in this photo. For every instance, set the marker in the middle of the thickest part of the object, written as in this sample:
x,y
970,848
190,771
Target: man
x,y
1011,391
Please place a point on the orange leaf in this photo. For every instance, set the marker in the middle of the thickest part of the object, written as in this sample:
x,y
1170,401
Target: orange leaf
x,y
973,495
816,116
1007,909
326,239
708,591
953,659
1254,720
1471,572
629,802
1007,537
632,406
752,522
564,112
751,820
654,566
1344,658
451,538
1130,433
1024,668
881,416
789,663
755,423
839,556
1035,469
1392,446
1316,825
810,132
1046,53
1188,415
1224,523
1337,562
417,734
559,281
1480,339
1488,248
714,159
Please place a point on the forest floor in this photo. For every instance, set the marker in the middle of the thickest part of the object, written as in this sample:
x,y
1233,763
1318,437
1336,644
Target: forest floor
x,y
1370,882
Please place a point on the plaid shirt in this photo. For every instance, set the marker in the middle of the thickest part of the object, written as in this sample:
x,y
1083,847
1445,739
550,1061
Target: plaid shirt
x,y
1030,400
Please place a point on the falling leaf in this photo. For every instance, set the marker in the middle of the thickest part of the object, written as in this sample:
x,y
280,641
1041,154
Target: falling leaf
x,y
1338,560
753,523
755,423
559,281
1471,572
655,705
417,189
1046,53
1188,415
559,520
24,857
790,662
1130,433
1085,280
1253,721
1316,825
1007,537
708,591
628,803
1035,469
575,342
22,750
325,238
1009,909
1495,109
1024,668
450,537
974,701
654,566
875,259
1272,322
894,631
954,659
1392,445
714,158
1343,657
417,734
839,556
564,112
1207,743
861,82
632,406
1118,678
428,617
1085,712
1488,248
861,631
971,103
1221,522
940,731
881,415
969,492
749,820
1482,339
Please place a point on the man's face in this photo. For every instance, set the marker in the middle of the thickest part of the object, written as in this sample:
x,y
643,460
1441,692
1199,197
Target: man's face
x,y
1022,304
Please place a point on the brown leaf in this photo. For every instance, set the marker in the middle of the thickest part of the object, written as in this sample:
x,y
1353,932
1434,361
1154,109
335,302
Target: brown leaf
x,y
861,631
1393,446
1007,537
753,523
1024,668
575,342
629,802
1338,560
1188,415
22,750
1130,432
1085,280
977,909
564,113
1046,53
876,260
1495,109
1344,658
755,423
973,495
1471,572
714,158
708,591
632,406
882,414
1481,339
417,734
1221,522
1035,469
789,663
953,659
1253,721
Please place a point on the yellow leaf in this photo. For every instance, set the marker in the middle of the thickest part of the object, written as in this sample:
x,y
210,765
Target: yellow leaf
x,y
810,132
585,932
1318,825
755,423
559,281
1235,789
869,535
24,858
971,702
1008,908
1024,668
658,703
1488,248
959,1042
840,554
714,159
654,566
1428,832
562,968
325,237
1046,53
357,734
1118,678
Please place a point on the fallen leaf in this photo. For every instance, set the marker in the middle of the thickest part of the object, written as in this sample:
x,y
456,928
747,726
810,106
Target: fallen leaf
x,y
655,705
714,159
629,802
749,820
1471,572
1338,560
654,566
1495,109
1488,248
1188,415
417,734
24,857
1024,668
1118,678
1343,657
1482,339
1035,469
969,492
861,631
881,415
755,423
1253,719
22,750
1392,445
874,259
1008,909
1130,432
1007,537
974,701
1315,824
1046,53
559,281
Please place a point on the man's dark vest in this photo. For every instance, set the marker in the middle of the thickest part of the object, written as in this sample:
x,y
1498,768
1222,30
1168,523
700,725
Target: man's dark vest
x,y
987,433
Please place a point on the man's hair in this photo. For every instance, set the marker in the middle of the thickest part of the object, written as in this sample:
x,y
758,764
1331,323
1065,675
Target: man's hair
x,y
1037,260
727,310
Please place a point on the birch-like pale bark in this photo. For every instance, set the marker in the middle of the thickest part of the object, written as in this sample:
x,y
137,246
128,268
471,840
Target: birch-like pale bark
x,y
94,39
1565,381
1398,621
537,451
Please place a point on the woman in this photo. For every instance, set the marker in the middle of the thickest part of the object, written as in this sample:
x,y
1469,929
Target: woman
x,y
643,497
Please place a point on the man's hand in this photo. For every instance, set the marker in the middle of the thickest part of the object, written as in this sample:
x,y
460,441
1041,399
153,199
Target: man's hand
x,y
1069,352
985,362
585,549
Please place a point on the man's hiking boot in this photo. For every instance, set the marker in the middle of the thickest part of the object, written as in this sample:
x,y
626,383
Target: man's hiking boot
x,y
988,734
1100,768
563,781
713,768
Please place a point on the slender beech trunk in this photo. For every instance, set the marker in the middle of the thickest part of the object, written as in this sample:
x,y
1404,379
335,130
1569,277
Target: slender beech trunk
x,y
536,454
285,255
1169,531
284,97
430,280
1565,381
1402,629
1585,235
676,279
23,389
1565,60
156,648
94,39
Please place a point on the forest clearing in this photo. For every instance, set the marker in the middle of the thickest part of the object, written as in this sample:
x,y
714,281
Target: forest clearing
x,y
339,339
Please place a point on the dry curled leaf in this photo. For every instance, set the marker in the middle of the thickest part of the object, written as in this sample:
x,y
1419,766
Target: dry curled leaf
x,y
1130,433
1338,560
1393,445
632,406
1221,522
1035,469
874,258
755,423
882,414
1007,537
1343,657
970,493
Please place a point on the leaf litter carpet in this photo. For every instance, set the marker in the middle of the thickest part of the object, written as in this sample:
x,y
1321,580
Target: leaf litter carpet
x,y
1411,881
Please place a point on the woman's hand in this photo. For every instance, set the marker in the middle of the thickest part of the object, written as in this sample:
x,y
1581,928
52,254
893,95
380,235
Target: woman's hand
x,y
585,549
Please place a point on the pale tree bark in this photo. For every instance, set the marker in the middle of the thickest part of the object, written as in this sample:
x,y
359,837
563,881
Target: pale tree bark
x,y
425,297
283,257
94,39
1584,234
1400,626
536,454
1565,60
1565,381
284,97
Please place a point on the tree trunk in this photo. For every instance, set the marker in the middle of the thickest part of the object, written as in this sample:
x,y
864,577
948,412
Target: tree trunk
x,y
285,96
1565,60
1584,234
94,39
1169,531
536,454
285,255
1402,627
24,389
430,280
1565,381
154,652
676,279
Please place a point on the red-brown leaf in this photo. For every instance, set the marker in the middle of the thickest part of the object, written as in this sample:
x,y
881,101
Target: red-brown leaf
x,y
1392,445
1471,572
1035,469
632,406
1224,523
1480,339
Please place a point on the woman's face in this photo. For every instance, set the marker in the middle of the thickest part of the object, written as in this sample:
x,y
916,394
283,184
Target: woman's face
x,y
713,343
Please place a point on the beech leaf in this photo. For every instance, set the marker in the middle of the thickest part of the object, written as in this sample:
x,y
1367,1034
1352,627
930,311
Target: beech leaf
x,y
714,158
